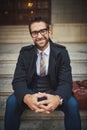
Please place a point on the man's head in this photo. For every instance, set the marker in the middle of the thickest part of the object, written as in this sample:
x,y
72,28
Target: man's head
x,y
39,30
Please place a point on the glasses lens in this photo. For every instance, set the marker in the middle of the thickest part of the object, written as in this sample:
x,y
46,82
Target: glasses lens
x,y
43,31
34,34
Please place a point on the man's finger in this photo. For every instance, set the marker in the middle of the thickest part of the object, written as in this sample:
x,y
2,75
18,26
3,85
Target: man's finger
x,y
42,111
49,107
43,102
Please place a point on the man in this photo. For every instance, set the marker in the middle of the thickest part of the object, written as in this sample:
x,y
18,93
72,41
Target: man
x,y
42,87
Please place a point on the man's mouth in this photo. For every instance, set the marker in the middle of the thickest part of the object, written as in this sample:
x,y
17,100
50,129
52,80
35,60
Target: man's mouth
x,y
40,40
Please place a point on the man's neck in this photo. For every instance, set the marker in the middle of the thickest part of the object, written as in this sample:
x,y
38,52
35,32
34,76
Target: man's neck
x,y
44,48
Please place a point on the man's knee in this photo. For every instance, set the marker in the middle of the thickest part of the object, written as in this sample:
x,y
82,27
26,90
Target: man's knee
x,y
11,101
73,104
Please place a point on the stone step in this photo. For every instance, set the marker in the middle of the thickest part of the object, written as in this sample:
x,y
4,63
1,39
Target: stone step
x,y
35,121
70,32
13,47
79,71
54,121
78,63
60,32
74,56
6,86
8,67
14,34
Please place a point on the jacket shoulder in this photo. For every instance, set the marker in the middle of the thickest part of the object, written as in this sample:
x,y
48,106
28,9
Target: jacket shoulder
x,y
59,49
27,48
57,45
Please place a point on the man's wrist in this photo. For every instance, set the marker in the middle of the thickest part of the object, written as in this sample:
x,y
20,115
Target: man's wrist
x,y
60,100
26,97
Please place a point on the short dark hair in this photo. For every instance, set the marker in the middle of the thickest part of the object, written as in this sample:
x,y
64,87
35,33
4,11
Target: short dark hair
x,y
38,19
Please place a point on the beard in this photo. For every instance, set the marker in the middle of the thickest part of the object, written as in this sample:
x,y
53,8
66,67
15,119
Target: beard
x,y
40,44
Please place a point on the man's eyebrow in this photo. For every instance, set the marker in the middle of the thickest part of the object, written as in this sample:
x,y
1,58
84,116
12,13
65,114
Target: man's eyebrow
x,y
39,30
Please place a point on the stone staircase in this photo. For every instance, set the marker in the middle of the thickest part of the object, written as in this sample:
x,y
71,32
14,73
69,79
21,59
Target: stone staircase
x,y
12,38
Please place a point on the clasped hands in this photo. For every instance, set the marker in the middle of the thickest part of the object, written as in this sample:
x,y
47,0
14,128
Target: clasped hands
x,y
49,104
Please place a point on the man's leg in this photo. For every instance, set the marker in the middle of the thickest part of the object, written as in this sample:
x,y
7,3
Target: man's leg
x,y
12,114
72,117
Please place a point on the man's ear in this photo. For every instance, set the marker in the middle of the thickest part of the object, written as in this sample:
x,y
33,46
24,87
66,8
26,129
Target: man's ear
x,y
50,30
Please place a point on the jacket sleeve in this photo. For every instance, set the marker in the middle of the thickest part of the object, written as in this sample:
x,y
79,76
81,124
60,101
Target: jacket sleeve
x,y
64,76
19,80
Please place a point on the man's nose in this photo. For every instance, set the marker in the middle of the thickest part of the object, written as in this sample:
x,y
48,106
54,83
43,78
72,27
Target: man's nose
x,y
39,34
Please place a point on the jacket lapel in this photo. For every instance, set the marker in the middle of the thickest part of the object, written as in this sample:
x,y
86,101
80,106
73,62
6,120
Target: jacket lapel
x,y
33,58
52,63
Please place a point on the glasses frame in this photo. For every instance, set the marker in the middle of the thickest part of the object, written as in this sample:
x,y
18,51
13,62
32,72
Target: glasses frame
x,y
43,31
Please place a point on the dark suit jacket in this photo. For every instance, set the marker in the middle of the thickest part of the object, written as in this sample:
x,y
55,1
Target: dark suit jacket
x,y
59,71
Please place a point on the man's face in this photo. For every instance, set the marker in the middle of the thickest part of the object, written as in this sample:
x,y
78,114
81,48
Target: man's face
x,y
40,34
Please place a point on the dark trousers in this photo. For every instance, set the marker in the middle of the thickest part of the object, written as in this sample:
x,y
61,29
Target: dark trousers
x,y
13,114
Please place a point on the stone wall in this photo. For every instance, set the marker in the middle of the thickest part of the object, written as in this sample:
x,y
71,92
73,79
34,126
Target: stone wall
x,y
69,11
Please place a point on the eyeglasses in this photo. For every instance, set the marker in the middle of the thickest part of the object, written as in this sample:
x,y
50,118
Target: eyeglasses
x,y
34,34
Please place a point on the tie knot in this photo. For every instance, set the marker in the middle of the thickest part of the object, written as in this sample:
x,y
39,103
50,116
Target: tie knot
x,y
42,53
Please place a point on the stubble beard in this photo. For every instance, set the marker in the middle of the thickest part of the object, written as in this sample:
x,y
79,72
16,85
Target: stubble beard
x,y
42,47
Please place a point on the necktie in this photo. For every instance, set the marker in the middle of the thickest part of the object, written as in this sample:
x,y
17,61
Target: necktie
x,y
42,65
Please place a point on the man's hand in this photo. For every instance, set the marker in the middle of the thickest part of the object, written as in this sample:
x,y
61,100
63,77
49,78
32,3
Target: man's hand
x,y
51,103
32,102
44,106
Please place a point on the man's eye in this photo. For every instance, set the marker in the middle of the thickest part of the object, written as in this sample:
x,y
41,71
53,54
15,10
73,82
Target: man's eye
x,y
42,31
34,32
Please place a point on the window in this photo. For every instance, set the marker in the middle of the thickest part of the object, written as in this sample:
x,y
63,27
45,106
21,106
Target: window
x,y
18,12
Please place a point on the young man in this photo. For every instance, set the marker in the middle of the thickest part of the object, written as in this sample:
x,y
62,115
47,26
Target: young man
x,y
42,80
